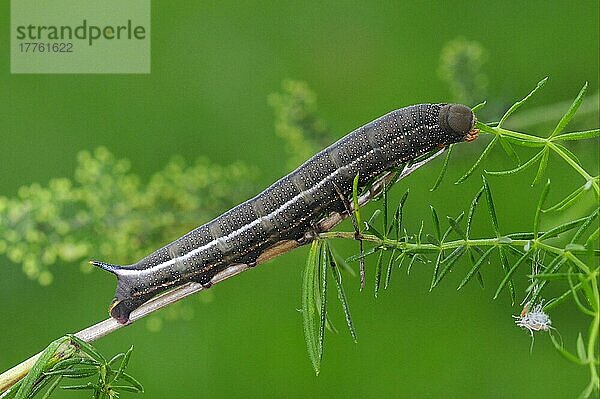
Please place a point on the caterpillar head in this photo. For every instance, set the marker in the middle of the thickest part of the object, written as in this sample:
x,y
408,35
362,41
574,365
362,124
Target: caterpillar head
x,y
458,122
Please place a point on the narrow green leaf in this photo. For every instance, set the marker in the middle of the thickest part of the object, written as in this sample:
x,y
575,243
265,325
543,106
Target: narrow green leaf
x,y
87,348
52,387
410,263
80,372
475,267
552,268
580,305
355,201
449,262
581,349
479,160
450,229
116,358
542,166
486,128
570,112
567,202
337,277
518,168
472,211
575,248
440,177
512,270
388,274
400,212
88,386
518,104
431,239
341,261
586,224
593,238
566,354
373,230
456,228
38,368
505,268
309,306
525,142
436,223
374,217
363,255
586,134
472,257
521,236
556,231
358,230
491,207
323,298
478,106
436,270
125,388
385,209
561,298
378,270
590,293
509,150
74,361
41,385
135,383
124,363
568,153
553,276
538,209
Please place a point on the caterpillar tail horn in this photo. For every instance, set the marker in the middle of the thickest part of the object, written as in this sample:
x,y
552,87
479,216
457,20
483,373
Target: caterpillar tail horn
x,y
124,302
106,266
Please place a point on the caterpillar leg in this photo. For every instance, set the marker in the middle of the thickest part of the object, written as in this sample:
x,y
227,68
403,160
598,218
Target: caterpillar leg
x,y
472,135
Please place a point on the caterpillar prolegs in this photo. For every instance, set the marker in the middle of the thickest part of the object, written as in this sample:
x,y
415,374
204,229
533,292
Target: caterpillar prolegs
x,y
287,209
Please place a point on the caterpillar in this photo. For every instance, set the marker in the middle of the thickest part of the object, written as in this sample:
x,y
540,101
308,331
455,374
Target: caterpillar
x,y
288,208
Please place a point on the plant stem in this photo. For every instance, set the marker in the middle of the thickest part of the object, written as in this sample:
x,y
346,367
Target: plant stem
x,y
547,142
428,248
103,328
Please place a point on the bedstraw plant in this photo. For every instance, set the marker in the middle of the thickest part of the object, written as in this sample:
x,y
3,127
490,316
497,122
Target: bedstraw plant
x,y
39,230
565,254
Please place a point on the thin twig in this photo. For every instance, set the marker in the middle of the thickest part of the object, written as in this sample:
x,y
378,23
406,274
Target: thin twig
x,y
103,328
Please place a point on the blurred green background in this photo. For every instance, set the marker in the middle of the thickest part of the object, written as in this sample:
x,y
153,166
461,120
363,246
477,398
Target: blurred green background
x,y
213,66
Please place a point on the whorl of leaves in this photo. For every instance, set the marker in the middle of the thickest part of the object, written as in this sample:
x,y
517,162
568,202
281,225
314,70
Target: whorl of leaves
x,y
565,253
70,358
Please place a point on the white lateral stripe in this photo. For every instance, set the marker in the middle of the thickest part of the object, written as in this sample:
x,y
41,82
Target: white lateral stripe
x,y
133,272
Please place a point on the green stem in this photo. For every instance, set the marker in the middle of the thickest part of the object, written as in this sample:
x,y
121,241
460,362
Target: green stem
x,y
518,135
575,166
424,248
549,143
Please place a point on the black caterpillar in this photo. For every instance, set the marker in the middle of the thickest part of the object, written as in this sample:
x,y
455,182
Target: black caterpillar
x,y
287,209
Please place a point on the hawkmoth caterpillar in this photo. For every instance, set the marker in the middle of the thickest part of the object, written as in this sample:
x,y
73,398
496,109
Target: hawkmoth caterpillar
x,y
287,209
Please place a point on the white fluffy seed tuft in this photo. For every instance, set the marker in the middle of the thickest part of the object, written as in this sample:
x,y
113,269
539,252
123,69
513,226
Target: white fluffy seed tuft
x,y
533,319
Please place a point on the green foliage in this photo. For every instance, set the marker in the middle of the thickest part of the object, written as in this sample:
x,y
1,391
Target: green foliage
x,y
107,212
314,299
62,223
566,253
71,358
